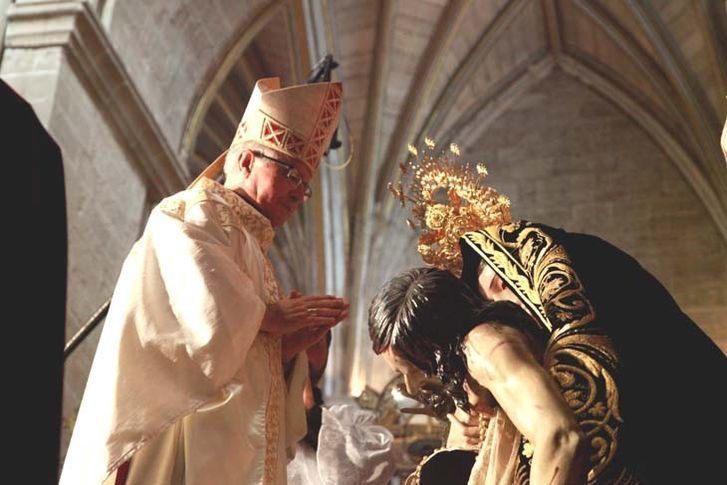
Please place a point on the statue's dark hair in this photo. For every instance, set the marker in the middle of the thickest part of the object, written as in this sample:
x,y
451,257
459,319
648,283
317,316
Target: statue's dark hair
x,y
424,315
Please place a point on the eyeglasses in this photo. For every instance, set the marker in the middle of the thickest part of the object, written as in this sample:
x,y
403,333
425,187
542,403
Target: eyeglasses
x,y
292,174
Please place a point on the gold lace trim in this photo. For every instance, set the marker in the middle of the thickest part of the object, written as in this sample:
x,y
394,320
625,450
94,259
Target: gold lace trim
x,y
271,282
247,216
232,210
415,477
173,206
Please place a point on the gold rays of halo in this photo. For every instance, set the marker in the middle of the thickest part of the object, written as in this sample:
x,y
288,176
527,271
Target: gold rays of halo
x,y
448,198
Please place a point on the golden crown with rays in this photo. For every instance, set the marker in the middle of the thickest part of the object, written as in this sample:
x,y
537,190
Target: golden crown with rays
x,y
448,198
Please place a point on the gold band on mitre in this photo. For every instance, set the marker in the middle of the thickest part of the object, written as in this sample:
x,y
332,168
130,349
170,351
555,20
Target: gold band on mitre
x,y
297,121
448,198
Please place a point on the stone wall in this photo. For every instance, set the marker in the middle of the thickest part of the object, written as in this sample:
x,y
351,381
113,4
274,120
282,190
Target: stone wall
x,y
168,48
58,57
568,158
106,208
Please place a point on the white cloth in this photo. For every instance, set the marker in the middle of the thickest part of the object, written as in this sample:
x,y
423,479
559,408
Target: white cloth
x,y
181,371
352,449
497,459
303,470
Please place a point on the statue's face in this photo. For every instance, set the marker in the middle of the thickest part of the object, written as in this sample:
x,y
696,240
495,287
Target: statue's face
x,y
493,287
415,380
413,376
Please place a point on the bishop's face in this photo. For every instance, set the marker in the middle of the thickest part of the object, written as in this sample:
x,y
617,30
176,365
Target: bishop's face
x,y
269,183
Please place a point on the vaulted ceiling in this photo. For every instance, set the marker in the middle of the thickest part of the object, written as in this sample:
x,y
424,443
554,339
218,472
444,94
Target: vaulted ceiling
x,y
449,68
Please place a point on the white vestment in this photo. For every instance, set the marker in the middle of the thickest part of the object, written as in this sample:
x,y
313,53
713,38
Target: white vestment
x,y
182,382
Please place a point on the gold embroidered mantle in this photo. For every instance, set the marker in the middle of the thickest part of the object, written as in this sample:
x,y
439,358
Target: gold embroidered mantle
x,y
580,357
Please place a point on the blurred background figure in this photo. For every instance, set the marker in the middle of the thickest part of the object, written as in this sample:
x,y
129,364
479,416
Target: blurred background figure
x,y
42,252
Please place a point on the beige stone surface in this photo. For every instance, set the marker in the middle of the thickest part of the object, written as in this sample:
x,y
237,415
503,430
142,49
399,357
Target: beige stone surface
x,y
169,48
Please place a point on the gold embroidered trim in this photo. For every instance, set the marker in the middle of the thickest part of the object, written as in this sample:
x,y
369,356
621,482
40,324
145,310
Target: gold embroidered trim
x,y
272,413
581,359
509,270
236,212
231,209
415,477
173,206
271,282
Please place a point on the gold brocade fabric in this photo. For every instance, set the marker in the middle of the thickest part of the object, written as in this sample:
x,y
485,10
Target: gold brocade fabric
x,y
578,355
272,415
237,214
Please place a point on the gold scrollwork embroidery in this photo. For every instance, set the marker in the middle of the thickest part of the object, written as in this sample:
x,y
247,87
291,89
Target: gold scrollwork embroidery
x,y
582,360
507,268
